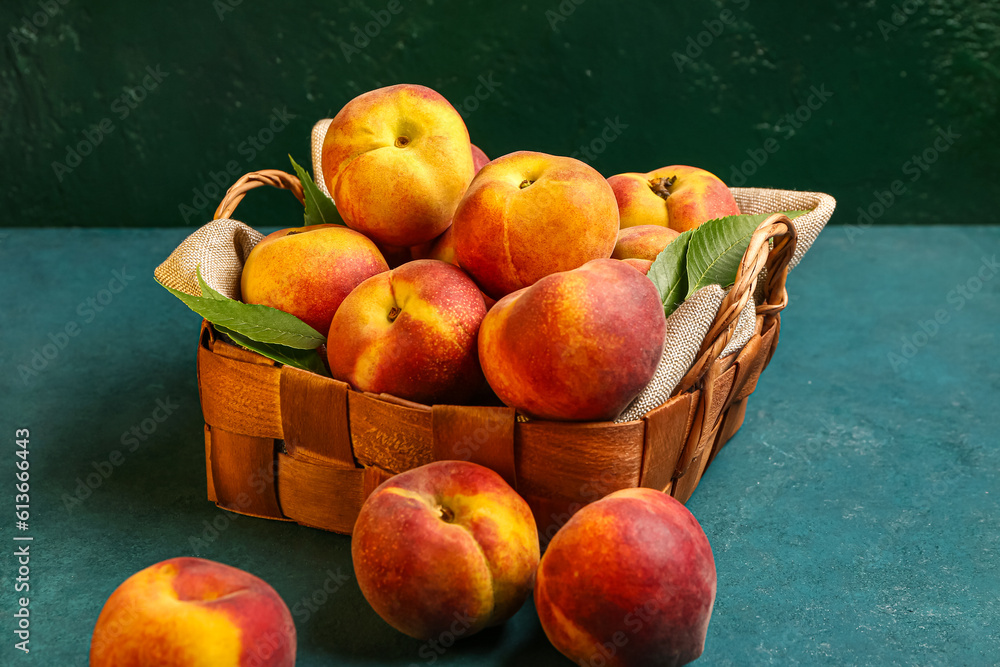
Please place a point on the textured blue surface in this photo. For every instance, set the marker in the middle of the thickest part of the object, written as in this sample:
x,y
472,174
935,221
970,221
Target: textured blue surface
x,y
854,517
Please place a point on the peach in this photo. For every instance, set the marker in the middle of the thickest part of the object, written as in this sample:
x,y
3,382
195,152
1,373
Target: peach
x,y
394,255
527,215
479,158
397,160
629,580
441,248
410,332
576,345
308,271
641,265
448,547
191,612
677,197
444,247
643,242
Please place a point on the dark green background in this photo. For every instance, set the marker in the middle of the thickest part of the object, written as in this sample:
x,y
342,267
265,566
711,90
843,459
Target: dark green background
x,y
229,66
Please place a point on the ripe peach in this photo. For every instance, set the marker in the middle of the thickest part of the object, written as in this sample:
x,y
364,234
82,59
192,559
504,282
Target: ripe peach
x,y
479,158
441,248
643,241
629,580
397,160
576,345
410,332
641,265
527,215
394,255
191,612
678,197
308,271
446,547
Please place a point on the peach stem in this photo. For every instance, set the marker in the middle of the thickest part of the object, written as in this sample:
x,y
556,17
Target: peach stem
x,y
661,186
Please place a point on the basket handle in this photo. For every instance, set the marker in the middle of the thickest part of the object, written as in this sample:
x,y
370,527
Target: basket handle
x,y
761,253
273,177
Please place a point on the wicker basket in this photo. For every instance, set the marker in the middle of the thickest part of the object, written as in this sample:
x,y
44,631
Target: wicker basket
x,y
287,444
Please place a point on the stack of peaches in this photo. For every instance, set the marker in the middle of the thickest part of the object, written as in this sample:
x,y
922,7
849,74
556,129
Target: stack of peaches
x,y
527,271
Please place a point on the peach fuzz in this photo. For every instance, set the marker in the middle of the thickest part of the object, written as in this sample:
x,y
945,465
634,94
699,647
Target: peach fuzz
x,y
410,332
191,612
678,197
397,160
527,215
643,242
630,580
446,547
308,271
576,345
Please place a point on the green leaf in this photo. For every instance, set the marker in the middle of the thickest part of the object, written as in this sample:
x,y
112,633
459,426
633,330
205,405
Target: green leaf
x,y
717,248
308,360
320,209
206,289
669,273
261,324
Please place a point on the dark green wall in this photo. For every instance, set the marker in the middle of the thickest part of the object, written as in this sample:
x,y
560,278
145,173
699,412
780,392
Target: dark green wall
x,y
229,63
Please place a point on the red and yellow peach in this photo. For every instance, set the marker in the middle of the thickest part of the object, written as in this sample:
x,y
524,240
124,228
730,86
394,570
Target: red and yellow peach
x,y
410,332
643,242
191,612
628,581
446,547
678,197
576,345
527,215
397,160
309,271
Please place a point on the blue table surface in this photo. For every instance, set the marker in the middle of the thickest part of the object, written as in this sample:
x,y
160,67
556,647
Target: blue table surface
x,y
854,517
